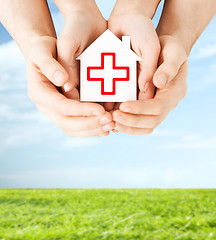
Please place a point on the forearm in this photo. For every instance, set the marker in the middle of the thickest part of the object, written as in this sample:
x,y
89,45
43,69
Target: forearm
x,y
186,20
145,7
68,6
26,21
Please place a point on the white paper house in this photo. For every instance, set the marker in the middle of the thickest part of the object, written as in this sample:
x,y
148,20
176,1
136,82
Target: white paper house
x,y
108,70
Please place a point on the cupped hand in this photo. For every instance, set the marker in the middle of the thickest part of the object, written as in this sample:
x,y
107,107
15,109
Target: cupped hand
x,y
172,56
76,119
83,24
142,116
133,22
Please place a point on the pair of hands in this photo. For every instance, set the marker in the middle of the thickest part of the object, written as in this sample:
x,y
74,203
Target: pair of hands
x,y
53,63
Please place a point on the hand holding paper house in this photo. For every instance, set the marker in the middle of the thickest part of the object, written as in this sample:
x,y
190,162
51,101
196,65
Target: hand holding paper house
x,y
108,70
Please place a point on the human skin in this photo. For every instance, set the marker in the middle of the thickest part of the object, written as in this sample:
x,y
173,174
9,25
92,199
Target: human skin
x,y
38,43
133,117
76,119
186,30
22,19
143,116
177,35
84,23
133,18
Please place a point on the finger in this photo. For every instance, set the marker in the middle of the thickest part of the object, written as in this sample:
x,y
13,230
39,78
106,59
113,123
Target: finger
x,y
154,107
147,46
174,90
149,94
67,49
108,127
44,61
172,58
51,69
138,121
70,44
165,99
73,94
43,92
147,107
76,124
148,65
133,130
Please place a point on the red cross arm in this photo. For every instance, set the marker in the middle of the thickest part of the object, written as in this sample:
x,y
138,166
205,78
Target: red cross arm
x,y
114,80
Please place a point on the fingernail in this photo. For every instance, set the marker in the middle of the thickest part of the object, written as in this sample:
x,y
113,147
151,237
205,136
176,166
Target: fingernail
x,y
114,130
104,121
59,78
107,128
146,87
67,87
118,119
162,79
117,128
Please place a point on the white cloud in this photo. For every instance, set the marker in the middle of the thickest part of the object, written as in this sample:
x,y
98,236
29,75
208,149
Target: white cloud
x,y
167,132
71,143
205,51
10,53
18,116
193,143
213,66
195,176
82,177
24,134
191,137
12,68
12,114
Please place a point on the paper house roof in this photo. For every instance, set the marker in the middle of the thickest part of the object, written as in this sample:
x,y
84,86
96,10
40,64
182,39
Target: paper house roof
x,y
108,40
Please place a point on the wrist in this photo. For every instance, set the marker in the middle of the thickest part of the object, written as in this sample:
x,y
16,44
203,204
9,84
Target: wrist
x,y
36,40
68,7
144,7
178,36
172,39
27,21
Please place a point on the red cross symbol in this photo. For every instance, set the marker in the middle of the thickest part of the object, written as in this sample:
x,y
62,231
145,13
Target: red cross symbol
x,y
108,74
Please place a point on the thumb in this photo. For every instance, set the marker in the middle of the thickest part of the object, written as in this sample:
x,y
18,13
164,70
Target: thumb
x,y
68,49
43,58
51,69
173,57
165,73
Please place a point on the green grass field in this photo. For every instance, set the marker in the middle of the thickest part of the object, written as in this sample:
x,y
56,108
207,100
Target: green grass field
x,y
107,214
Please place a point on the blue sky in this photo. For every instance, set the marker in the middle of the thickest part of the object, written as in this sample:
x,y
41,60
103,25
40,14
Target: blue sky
x,y
180,153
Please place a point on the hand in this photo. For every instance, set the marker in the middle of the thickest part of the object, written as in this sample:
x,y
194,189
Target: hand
x,y
83,24
130,19
172,56
76,119
142,116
